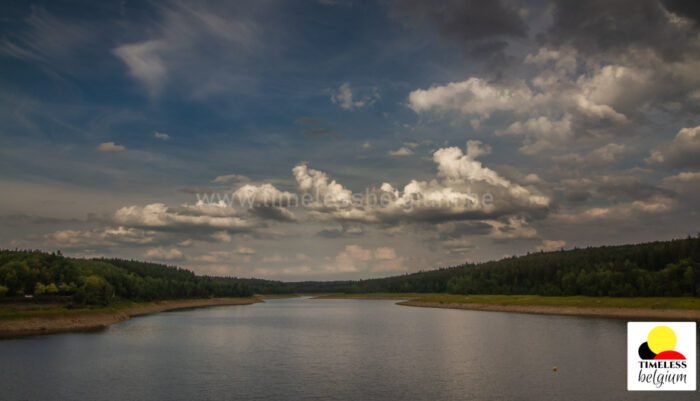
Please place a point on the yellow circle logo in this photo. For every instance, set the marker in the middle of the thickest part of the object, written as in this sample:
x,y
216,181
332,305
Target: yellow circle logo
x,y
661,338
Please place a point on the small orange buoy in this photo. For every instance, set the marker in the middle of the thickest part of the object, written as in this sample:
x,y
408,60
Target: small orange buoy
x,y
555,368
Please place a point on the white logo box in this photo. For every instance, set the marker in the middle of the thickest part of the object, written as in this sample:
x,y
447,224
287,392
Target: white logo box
x,y
664,373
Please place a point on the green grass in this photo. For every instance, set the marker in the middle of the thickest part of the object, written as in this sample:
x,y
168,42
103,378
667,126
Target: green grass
x,y
17,311
580,301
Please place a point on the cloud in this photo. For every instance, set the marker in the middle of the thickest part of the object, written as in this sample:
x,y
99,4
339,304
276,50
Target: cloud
x,y
186,44
479,27
464,190
631,211
344,98
161,135
47,39
683,151
110,147
102,237
541,133
610,28
550,245
163,254
222,236
145,64
231,178
402,151
354,258
606,154
159,216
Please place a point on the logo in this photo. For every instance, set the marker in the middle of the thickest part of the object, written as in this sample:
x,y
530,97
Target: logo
x,y
661,356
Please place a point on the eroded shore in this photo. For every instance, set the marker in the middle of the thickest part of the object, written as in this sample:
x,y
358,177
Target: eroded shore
x,y
611,312
60,323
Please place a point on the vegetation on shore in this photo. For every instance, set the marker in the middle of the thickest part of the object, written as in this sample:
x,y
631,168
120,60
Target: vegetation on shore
x,y
53,277
534,300
656,269
635,272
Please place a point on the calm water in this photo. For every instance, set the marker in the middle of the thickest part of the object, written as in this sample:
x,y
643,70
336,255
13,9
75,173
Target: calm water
x,y
303,349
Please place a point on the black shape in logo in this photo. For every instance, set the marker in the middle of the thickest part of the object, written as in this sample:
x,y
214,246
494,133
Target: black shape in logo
x,y
645,352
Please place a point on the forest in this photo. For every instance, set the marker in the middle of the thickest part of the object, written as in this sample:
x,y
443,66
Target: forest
x,y
655,269
103,281
662,268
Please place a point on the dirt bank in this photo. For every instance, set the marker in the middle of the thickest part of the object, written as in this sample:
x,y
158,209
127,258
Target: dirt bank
x,y
20,327
621,313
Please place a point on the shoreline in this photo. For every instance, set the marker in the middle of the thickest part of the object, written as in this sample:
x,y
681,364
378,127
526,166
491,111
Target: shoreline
x,y
607,312
33,326
605,307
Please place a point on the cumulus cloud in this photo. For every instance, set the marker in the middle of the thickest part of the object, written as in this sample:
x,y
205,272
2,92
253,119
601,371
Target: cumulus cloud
x,y
110,147
159,216
161,253
683,151
463,189
354,258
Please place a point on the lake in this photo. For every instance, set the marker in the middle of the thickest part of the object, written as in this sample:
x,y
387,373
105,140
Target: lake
x,y
307,349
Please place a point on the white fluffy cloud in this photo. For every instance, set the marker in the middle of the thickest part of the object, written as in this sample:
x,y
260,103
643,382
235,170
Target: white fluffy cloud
x,y
463,189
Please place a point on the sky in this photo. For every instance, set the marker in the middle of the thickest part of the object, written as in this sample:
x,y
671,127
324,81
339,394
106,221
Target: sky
x,y
331,139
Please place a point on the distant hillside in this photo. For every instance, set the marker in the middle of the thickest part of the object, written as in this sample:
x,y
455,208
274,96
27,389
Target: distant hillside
x,y
101,281
662,268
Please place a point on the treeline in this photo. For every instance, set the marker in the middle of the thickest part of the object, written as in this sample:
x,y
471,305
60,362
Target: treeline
x,y
102,281
664,268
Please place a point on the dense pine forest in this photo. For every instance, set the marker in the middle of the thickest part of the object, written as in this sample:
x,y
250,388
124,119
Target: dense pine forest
x,y
103,281
663,268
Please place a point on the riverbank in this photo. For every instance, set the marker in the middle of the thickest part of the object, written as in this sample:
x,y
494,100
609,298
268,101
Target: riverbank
x,y
667,308
58,319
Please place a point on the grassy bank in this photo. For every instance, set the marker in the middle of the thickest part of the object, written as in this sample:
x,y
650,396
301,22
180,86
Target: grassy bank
x,y
25,320
533,300
685,308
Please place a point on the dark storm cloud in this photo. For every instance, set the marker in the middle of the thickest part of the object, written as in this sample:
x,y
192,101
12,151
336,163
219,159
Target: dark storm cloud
x,y
480,26
685,8
609,27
